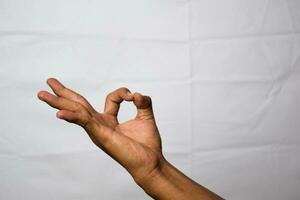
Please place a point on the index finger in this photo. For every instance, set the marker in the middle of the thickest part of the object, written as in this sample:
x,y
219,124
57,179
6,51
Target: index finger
x,y
115,98
60,90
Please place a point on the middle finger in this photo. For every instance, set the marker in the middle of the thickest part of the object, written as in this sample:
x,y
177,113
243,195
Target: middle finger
x,y
59,102
60,90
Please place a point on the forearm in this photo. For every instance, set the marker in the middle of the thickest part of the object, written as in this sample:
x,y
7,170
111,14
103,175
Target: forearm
x,y
167,182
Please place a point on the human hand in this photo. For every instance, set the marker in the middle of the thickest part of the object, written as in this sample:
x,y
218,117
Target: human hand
x,y
135,144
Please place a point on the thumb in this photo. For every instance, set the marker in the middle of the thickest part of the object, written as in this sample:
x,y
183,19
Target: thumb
x,y
144,106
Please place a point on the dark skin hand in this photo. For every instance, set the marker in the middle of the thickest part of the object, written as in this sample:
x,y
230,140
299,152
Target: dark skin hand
x,y
135,144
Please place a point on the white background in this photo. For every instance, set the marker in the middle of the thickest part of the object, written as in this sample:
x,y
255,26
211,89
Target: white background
x,y
223,76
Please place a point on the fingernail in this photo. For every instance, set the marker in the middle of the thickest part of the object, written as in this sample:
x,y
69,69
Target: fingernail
x,y
58,115
40,96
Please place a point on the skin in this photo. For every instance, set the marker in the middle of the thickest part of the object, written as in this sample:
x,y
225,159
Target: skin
x,y
135,144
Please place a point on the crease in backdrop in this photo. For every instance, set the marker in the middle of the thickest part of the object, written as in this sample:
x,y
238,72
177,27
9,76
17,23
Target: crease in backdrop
x,y
223,76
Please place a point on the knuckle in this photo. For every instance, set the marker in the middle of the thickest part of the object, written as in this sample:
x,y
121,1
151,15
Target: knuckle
x,y
61,90
112,95
123,89
89,123
78,106
109,95
80,98
148,100
83,120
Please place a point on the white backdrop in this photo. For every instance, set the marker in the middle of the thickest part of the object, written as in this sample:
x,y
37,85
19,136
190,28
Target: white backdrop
x,y
223,76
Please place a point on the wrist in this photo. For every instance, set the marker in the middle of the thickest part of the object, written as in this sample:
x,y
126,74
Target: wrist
x,y
153,175
159,180
167,182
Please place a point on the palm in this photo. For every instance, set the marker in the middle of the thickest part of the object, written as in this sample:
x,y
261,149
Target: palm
x,y
139,137
141,131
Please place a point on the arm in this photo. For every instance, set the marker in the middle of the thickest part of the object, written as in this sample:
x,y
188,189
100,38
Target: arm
x,y
135,144
169,183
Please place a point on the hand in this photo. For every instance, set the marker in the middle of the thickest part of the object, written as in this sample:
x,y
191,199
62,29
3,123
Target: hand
x,y
135,144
